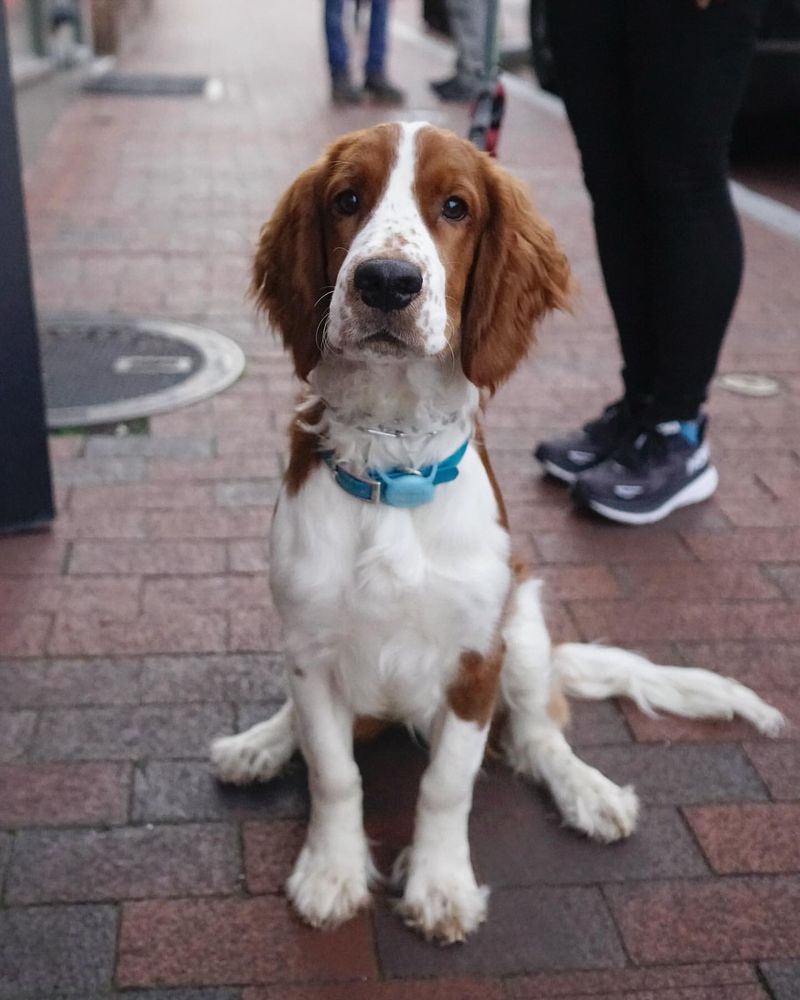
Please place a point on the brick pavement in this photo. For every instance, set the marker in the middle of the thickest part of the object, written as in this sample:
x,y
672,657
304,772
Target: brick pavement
x,y
142,625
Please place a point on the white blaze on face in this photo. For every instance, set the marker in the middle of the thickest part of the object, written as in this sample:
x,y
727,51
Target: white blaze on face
x,y
396,229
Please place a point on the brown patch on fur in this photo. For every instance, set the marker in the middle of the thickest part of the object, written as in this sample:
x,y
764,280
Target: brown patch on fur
x,y
304,449
483,453
472,694
558,706
367,727
302,246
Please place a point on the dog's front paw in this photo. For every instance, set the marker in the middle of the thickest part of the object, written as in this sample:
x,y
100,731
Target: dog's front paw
x,y
240,759
328,888
592,803
443,902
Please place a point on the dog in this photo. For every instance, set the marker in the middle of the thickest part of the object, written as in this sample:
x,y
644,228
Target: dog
x,y
406,272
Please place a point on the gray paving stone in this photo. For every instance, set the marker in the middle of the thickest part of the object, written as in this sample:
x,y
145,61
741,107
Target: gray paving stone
x,y
46,951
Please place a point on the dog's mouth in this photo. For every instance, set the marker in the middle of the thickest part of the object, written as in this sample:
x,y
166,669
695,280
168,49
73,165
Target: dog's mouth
x,y
385,342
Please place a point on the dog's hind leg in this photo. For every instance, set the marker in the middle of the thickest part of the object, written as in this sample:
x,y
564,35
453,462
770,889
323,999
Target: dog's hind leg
x,y
536,712
259,753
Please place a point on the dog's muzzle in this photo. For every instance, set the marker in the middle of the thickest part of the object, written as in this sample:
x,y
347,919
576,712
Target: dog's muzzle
x,y
387,284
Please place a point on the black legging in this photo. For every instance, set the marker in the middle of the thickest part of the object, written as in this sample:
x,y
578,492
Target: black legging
x,y
652,88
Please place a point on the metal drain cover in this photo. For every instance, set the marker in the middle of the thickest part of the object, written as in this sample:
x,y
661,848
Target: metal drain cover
x,y
147,85
102,371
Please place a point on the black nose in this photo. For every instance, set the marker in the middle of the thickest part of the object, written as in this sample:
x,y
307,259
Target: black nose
x,y
387,284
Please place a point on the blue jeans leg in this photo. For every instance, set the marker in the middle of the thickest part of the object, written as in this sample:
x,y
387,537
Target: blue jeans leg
x,y
376,52
334,36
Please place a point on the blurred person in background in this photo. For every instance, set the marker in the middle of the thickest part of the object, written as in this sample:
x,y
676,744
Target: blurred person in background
x,y
652,88
376,84
467,20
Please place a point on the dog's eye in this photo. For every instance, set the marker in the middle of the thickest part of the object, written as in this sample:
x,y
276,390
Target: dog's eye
x,y
454,209
347,202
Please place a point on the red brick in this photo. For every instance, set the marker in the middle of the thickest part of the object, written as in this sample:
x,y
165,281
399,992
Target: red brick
x,y
748,544
117,597
255,466
27,555
144,495
578,582
634,620
213,592
698,993
610,545
779,767
63,794
181,942
418,989
24,635
251,556
254,630
735,919
270,851
76,866
148,557
248,522
247,493
760,512
741,839
96,523
162,632
707,582
765,665
636,982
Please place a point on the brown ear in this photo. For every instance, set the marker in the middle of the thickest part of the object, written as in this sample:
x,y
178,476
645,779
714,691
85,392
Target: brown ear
x,y
520,273
289,271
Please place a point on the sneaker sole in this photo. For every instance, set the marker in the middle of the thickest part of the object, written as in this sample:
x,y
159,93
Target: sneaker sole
x,y
556,471
694,492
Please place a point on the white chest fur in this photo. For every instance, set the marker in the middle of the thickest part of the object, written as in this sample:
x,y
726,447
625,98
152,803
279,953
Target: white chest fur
x,y
388,598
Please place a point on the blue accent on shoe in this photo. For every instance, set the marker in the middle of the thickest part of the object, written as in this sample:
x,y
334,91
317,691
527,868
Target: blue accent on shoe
x,y
690,429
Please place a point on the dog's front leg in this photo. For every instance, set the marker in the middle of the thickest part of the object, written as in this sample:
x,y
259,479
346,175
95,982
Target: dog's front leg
x,y
330,881
441,897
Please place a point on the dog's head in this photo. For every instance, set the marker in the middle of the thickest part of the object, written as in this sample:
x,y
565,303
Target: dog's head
x,y
405,241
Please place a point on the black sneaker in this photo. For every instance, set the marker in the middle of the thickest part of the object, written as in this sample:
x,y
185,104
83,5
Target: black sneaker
x,y
343,91
379,89
647,479
457,89
565,458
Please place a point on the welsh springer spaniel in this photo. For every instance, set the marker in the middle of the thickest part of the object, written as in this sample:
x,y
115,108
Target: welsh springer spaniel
x,y
405,272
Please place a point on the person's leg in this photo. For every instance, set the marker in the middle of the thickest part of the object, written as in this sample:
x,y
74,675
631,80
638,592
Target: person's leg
x,y
589,42
689,69
376,49
376,83
468,19
335,38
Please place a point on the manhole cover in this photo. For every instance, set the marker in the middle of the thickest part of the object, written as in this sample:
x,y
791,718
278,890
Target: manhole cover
x,y
744,384
147,85
107,371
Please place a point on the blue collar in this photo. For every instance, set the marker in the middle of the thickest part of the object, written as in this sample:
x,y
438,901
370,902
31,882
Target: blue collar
x,y
398,487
